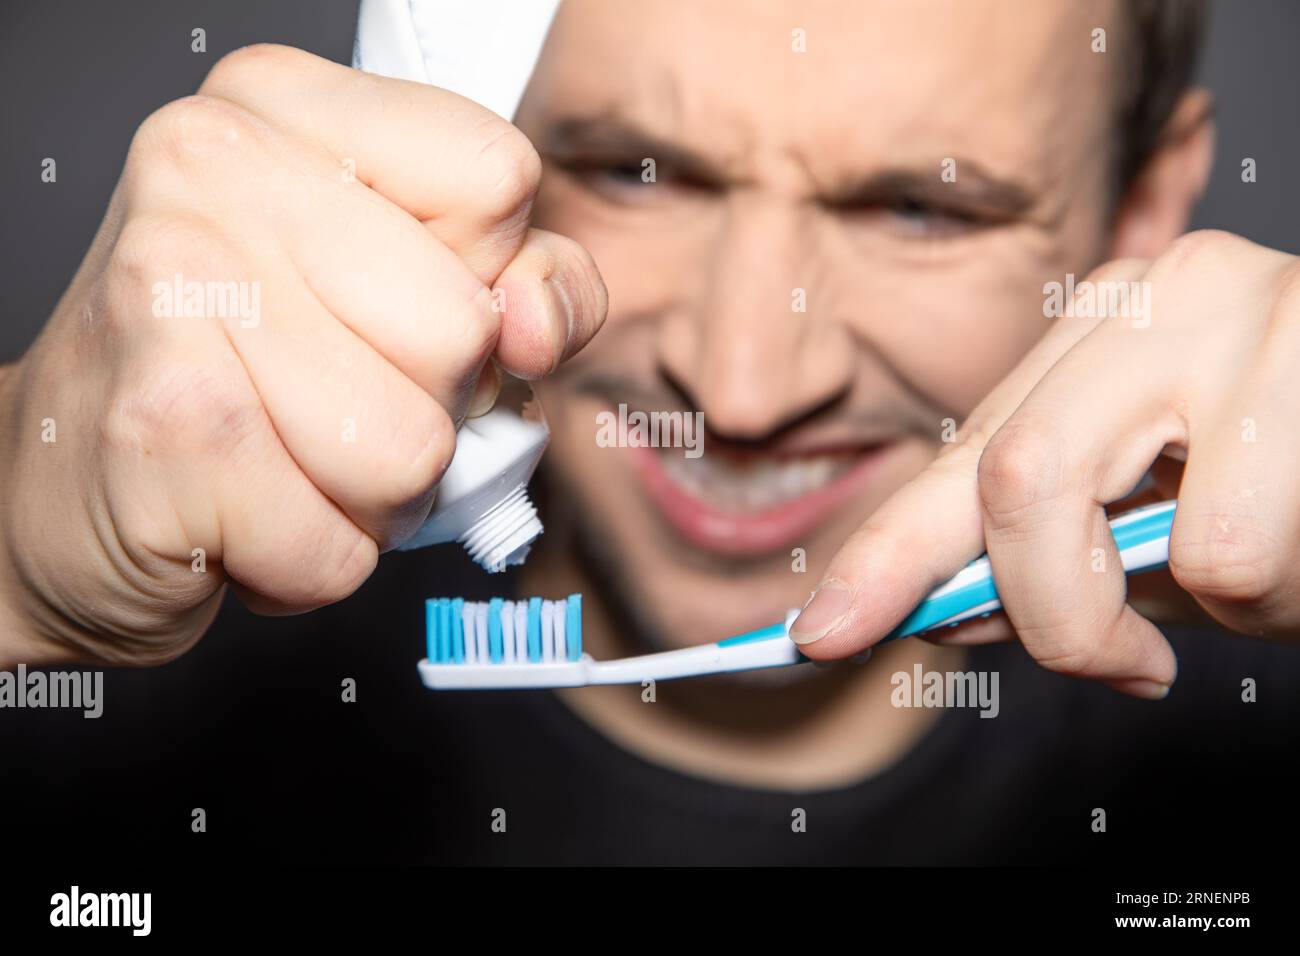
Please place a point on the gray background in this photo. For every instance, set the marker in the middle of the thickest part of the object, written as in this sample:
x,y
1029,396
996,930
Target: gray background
x,y
76,78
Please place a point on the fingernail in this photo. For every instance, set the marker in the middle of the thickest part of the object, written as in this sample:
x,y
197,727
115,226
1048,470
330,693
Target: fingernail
x,y
1139,687
564,298
826,609
486,392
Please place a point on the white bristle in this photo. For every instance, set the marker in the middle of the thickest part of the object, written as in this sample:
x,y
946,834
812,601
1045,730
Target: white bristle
x,y
467,632
480,631
548,620
521,631
561,652
508,631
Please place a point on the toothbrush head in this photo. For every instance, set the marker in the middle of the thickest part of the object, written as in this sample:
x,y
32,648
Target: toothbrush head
x,y
501,643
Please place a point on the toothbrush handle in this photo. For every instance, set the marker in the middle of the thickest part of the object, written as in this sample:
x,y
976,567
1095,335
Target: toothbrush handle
x,y
1141,536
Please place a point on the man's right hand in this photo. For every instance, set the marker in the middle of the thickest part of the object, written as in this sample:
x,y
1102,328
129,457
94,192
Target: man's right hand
x,y
378,233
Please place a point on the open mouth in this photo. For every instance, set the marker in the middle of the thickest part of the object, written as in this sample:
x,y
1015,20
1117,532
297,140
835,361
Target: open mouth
x,y
753,504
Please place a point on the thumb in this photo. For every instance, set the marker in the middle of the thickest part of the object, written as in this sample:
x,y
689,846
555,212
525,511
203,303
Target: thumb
x,y
925,533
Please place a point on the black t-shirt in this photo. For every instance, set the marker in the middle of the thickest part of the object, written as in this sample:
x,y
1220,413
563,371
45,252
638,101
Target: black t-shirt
x,y
252,728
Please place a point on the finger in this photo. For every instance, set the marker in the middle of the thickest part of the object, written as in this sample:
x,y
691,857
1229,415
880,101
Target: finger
x,y
367,262
285,546
364,434
373,266
1236,523
554,301
1078,441
367,436
258,522
458,167
930,528
398,288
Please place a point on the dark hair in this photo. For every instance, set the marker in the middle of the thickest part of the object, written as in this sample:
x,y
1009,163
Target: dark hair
x,y
1157,69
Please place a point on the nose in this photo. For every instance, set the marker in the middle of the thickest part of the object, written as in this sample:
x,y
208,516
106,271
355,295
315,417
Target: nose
x,y
749,344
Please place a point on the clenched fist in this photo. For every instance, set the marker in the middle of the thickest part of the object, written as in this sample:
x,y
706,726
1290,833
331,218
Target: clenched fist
x,y
306,279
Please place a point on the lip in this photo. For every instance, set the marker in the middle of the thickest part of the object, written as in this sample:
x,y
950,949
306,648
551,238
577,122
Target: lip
x,y
753,533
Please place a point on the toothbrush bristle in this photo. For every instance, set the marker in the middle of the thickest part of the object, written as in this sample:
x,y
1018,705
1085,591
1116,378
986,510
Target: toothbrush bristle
x,y
501,631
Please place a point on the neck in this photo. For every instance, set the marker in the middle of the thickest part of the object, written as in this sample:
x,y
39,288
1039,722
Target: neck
x,y
786,729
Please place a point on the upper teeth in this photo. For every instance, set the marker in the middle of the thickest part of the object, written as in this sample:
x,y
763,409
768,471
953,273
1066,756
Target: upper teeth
x,y
762,484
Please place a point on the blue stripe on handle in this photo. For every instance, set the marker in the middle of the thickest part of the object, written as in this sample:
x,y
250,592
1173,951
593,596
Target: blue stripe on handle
x,y
936,609
762,634
1137,527
1158,523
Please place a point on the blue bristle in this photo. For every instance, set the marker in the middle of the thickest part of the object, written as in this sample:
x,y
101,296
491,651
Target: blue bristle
x,y
444,630
496,649
458,630
431,630
573,626
534,629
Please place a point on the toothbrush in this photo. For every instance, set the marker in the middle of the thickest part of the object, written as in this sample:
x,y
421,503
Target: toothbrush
x,y
535,643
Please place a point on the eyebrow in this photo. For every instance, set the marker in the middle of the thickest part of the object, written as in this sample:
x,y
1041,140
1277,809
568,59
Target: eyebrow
x,y
974,188
594,139
600,138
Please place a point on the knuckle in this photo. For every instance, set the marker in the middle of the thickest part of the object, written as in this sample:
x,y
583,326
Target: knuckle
x,y
345,569
1019,467
875,540
148,254
192,131
510,168
1200,249
1225,558
179,408
149,246
247,67
422,450
879,552
1064,650
1117,270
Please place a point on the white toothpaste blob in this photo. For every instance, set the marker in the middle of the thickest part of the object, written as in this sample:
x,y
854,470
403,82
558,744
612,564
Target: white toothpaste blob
x,y
483,498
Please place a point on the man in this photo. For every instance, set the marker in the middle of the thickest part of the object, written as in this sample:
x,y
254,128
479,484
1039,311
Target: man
x,y
843,252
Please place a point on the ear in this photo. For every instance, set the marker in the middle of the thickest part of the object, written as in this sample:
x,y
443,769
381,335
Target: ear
x,y
1158,204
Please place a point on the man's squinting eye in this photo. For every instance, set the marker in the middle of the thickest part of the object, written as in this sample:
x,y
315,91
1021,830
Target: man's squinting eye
x,y
621,180
629,180
915,218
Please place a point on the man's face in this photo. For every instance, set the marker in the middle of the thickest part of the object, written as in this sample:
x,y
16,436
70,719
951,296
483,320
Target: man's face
x,y
855,206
